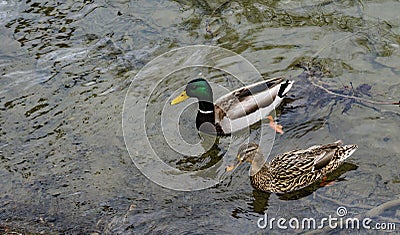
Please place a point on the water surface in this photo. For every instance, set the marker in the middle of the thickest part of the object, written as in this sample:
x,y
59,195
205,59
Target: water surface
x,y
65,69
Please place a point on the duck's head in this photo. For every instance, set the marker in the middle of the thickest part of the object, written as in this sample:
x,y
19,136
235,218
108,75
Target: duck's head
x,y
247,152
250,152
197,88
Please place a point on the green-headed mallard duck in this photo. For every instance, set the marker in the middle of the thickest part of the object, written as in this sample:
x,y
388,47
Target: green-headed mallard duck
x,y
236,110
295,169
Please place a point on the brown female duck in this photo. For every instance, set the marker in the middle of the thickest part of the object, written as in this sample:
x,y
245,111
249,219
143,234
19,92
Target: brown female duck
x,y
295,169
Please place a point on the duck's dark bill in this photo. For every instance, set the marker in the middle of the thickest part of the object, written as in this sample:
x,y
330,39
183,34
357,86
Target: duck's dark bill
x,y
183,96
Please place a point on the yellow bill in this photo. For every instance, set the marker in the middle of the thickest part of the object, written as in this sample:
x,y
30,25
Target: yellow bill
x,y
182,97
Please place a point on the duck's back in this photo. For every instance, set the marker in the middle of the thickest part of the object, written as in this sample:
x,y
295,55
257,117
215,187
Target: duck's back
x,y
298,168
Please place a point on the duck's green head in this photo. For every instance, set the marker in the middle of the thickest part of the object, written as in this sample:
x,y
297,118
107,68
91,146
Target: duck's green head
x,y
197,88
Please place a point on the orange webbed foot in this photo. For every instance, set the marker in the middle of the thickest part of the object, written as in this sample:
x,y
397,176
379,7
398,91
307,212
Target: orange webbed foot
x,y
274,126
325,183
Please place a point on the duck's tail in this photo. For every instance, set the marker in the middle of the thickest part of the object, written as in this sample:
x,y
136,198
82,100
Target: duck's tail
x,y
346,151
285,87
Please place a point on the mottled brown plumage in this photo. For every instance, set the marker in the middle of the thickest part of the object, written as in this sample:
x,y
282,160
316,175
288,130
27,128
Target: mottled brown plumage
x,y
295,169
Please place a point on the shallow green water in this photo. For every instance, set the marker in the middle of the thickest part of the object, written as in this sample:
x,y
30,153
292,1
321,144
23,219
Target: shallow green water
x,y
65,70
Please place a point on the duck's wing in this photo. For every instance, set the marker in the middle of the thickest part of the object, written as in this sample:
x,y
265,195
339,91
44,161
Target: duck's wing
x,y
298,168
292,164
323,154
323,159
297,162
246,100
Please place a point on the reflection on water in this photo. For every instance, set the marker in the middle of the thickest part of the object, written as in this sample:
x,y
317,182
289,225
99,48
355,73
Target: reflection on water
x,y
64,70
